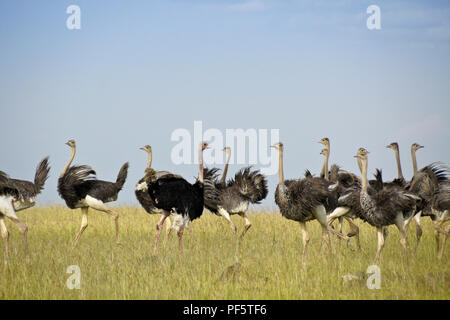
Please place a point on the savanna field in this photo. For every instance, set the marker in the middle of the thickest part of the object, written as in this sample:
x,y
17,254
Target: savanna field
x,y
266,264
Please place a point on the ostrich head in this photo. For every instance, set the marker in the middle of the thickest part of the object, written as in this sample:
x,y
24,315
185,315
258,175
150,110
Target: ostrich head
x,y
146,148
362,154
227,150
324,152
278,146
415,147
325,142
393,146
204,146
71,143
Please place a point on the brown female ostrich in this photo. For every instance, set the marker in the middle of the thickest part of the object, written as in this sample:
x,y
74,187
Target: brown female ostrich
x,y
79,188
303,200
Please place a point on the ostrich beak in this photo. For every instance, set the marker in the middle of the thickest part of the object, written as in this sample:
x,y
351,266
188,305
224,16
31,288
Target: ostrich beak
x,y
142,148
421,147
389,146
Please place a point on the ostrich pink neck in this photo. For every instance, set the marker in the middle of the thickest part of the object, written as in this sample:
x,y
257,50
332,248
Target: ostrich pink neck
x,y
70,161
200,164
280,165
225,168
149,161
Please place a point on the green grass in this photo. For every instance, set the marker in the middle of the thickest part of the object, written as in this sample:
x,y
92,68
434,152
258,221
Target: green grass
x,y
267,263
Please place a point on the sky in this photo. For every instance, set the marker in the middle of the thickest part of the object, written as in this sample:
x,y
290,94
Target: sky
x,y
137,71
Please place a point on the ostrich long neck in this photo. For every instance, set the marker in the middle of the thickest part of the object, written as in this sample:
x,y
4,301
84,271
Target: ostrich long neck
x,y
363,173
399,165
360,165
225,168
70,161
324,171
414,160
200,164
280,166
149,161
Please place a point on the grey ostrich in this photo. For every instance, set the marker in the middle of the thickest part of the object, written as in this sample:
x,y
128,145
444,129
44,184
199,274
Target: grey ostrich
x,y
233,197
426,183
302,200
385,206
17,195
79,188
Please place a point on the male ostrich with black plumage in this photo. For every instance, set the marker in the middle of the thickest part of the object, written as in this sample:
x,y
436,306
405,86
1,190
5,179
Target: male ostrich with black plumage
x,y
141,191
233,197
17,195
303,200
79,188
173,194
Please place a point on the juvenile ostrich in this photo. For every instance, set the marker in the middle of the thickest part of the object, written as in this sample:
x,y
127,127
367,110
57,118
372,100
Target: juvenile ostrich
x,y
234,197
142,194
172,193
79,188
384,207
426,183
17,195
302,200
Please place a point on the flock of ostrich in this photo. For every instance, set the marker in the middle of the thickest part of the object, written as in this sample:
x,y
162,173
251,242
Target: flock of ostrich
x,y
334,194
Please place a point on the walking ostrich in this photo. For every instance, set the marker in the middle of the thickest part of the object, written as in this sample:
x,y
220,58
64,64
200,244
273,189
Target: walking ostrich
x,y
234,197
344,180
172,193
142,194
426,183
79,188
384,207
334,177
302,200
440,207
17,195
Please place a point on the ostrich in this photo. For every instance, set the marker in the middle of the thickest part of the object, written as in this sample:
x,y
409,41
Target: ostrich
x,y
79,188
143,196
17,195
234,197
334,177
440,207
302,200
384,207
344,180
426,183
172,193
400,179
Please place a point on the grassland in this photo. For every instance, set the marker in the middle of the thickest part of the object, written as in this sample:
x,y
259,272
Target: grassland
x,y
265,265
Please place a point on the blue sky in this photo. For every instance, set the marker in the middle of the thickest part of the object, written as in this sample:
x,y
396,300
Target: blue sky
x,y
138,70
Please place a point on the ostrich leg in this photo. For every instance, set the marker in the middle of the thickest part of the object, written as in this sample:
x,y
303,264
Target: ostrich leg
x,y
226,215
305,240
159,226
248,224
84,225
5,236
